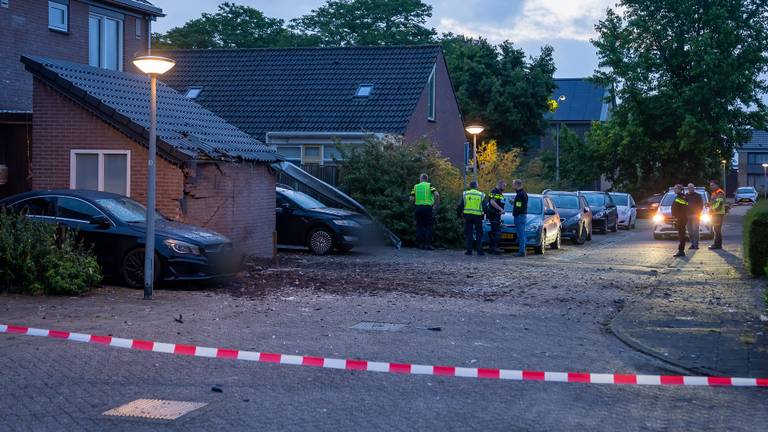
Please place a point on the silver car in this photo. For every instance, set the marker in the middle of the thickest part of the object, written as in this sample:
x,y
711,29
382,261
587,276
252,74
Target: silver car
x,y
746,195
627,209
664,223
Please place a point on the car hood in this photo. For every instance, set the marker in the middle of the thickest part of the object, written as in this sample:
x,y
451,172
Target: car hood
x,y
508,219
184,232
568,213
596,209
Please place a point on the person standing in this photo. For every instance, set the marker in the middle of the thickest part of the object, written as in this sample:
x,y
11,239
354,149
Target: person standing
x,y
717,213
471,210
426,198
520,212
695,207
680,214
495,211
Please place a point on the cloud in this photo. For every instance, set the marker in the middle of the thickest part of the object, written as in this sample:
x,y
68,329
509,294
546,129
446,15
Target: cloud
x,y
538,20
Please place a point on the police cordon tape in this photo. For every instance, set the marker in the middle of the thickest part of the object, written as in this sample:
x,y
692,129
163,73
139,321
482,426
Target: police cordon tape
x,y
395,368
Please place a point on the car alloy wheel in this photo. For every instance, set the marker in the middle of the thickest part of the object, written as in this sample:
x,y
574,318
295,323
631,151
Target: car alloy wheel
x,y
132,268
556,244
320,241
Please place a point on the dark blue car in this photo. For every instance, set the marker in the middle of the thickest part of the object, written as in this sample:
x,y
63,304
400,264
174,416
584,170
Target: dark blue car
x,y
575,215
542,224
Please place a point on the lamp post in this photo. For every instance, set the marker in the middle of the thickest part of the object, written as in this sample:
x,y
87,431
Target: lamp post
x,y
152,66
561,98
474,130
725,186
765,180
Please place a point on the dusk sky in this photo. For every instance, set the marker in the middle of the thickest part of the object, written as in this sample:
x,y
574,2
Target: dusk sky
x,y
566,25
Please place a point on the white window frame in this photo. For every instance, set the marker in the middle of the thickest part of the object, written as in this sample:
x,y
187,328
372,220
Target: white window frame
x,y
62,7
73,167
432,94
102,37
320,160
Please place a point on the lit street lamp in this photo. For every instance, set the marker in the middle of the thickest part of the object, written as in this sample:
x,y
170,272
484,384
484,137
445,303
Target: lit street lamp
x,y
152,66
765,180
474,130
725,186
561,98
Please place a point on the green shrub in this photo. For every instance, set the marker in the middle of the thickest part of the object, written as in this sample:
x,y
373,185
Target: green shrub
x,y
755,238
39,258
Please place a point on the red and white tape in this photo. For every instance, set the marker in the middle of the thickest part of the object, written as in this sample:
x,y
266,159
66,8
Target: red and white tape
x,y
396,368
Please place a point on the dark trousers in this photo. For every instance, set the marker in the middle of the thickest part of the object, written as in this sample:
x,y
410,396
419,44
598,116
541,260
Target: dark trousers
x,y
425,223
681,225
473,224
494,235
693,230
717,227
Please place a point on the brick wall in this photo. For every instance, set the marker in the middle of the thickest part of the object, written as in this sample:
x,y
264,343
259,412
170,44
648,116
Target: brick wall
x,y
24,31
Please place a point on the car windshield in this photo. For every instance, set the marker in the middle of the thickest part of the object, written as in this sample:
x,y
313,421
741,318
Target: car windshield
x,y
745,190
303,200
534,204
620,199
126,209
595,200
566,201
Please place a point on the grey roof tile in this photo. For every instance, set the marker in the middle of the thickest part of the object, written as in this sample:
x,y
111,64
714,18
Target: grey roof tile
x,y
585,101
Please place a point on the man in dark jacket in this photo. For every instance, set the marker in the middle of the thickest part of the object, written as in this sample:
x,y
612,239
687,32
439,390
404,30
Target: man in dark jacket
x,y
695,207
494,213
520,212
680,215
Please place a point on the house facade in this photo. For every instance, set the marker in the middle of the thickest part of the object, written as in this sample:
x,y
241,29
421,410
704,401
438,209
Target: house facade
x,y
752,156
305,101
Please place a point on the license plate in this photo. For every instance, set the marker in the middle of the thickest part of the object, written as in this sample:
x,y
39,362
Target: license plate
x,y
508,236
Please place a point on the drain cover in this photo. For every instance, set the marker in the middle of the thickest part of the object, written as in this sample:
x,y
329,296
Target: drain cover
x,y
378,326
156,409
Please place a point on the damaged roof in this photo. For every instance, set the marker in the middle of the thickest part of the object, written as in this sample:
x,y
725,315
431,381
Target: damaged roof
x,y
585,101
308,89
185,130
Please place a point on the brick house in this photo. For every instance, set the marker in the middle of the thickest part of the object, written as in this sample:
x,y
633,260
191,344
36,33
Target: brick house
x,y
303,101
752,155
89,131
103,33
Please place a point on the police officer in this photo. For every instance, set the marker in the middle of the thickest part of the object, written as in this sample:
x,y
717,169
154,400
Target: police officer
x,y
471,210
495,211
695,207
717,213
520,212
680,214
426,198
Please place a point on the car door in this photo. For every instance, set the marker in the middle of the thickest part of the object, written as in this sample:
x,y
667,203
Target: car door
x,y
289,226
611,211
78,215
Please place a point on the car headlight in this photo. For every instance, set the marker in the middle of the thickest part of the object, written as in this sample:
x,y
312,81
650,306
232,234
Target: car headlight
x,y
600,214
346,222
532,227
705,218
658,218
182,248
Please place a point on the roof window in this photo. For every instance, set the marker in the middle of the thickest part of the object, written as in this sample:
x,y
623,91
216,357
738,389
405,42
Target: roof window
x,y
193,92
364,90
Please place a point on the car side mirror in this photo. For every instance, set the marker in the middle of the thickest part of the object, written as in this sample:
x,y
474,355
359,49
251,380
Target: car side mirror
x,y
633,206
586,209
100,221
550,212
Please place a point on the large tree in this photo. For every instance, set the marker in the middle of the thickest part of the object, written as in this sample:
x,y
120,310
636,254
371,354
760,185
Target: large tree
x,y
500,87
367,22
687,74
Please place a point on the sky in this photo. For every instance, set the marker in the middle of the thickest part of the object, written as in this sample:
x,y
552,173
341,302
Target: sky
x,y
567,25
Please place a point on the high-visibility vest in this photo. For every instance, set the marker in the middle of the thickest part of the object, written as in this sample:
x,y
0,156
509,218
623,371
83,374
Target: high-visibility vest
x,y
423,194
681,201
718,203
473,202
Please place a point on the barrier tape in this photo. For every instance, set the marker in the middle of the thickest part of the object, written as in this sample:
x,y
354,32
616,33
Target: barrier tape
x,y
395,368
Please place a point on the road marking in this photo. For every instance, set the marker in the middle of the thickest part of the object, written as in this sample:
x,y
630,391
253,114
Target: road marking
x,y
394,368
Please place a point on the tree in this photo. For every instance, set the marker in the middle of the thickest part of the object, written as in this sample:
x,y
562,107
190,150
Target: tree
x,y
495,165
688,75
367,22
499,87
579,161
233,26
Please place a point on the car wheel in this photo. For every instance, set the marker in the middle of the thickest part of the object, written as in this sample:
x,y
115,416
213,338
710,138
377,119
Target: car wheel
x,y
132,268
633,224
539,250
320,241
557,243
581,238
657,237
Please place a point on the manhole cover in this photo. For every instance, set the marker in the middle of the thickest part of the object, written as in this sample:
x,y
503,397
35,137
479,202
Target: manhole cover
x,y
157,409
378,326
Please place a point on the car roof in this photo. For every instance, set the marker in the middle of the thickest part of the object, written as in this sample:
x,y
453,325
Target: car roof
x,y
618,193
592,192
572,193
529,195
77,193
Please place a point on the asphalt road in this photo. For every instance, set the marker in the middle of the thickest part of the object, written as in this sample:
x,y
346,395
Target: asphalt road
x,y
543,313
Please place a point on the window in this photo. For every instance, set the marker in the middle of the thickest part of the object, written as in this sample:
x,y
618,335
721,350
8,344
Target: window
x,y
41,206
138,28
290,153
193,92
102,170
105,42
76,209
58,15
431,96
312,154
364,90
757,158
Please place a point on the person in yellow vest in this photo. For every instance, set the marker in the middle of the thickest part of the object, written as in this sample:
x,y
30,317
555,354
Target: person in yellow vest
x,y
426,198
717,212
471,210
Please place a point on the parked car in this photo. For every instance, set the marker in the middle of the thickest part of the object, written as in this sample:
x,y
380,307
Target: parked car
x,y
626,209
306,222
746,195
575,215
664,223
605,215
647,207
116,226
542,224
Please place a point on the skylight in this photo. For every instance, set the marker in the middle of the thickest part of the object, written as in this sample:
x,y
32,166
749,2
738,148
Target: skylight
x,y
193,92
364,90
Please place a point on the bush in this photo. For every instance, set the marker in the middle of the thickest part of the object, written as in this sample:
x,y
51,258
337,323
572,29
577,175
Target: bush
x,y
39,258
755,234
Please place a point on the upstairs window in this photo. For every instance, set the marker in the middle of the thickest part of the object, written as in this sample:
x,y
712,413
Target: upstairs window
x,y
58,15
431,96
105,42
364,90
193,92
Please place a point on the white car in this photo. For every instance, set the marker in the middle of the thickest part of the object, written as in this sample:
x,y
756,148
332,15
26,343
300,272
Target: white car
x,y
745,195
627,209
664,223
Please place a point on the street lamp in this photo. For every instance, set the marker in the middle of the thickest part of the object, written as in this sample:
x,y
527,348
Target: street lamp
x,y
152,66
474,130
561,98
765,180
725,186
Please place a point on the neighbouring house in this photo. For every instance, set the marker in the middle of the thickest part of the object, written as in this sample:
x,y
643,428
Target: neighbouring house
x,y
103,33
305,101
90,131
752,155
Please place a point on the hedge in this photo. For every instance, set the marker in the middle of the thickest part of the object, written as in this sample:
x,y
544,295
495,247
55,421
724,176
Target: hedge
x,y
756,238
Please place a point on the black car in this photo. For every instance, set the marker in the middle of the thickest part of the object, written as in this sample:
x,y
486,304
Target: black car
x,y
648,207
306,222
575,214
605,215
115,226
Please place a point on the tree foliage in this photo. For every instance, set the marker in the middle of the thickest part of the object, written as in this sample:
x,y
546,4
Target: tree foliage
x,y
495,165
687,74
580,164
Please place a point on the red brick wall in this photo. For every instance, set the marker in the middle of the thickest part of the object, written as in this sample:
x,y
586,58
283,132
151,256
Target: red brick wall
x,y
24,31
447,131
